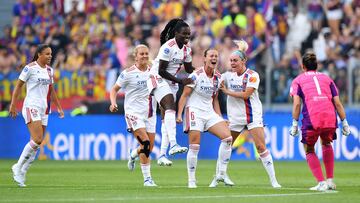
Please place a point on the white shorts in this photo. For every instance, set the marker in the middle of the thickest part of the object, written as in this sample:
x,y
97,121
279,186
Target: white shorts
x,y
334,14
159,87
34,113
240,127
135,121
199,120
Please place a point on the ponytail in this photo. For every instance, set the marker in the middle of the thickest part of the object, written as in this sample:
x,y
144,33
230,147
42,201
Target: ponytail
x,y
171,27
39,49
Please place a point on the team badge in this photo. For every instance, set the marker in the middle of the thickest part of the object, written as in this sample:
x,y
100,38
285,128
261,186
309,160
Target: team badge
x,y
166,51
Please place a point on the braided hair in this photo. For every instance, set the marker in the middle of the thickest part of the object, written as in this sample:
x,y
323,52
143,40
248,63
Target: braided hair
x,y
171,27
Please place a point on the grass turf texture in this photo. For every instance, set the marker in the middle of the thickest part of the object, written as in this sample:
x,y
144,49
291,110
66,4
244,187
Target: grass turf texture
x,y
111,181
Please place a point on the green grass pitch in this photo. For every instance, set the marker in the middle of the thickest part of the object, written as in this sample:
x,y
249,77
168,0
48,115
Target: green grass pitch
x,y
110,181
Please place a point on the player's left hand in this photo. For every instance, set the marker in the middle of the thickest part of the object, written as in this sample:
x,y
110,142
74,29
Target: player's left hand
x,y
294,130
61,113
179,119
345,127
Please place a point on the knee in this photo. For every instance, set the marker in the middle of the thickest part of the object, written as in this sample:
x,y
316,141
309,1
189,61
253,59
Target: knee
x,y
260,147
36,140
309,149
228,140
145,148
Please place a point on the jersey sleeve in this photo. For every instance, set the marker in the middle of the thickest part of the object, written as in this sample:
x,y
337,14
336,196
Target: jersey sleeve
x,y
224,78
188,57
333,89
294,88
164,52
25,74
122,80
253,80
193,76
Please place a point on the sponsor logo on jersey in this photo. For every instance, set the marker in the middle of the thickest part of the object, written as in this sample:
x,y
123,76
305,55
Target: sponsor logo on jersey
x,y
44,81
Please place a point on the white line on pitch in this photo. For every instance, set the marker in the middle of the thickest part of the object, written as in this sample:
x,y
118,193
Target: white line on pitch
x,y
166,197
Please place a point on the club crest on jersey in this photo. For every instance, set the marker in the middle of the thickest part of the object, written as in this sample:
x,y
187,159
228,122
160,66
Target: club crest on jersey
x,y
166,50
252,79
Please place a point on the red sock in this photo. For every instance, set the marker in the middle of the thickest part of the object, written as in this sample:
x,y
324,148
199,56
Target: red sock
x,y
328,159
314,165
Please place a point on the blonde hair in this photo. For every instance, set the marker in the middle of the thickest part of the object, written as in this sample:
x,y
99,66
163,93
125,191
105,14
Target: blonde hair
x,y
138,47
242,45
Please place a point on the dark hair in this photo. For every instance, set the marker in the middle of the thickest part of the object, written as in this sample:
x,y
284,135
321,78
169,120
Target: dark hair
x,y
39,49
309,61
171,27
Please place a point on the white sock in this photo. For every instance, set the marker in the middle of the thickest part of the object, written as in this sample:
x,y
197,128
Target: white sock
x,y
28,150
28,162
268,164
164,139
191,158
145,169
224,156
134,153
170,122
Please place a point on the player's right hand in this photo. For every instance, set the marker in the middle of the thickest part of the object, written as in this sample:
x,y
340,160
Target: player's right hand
x,y
186,81
12,111
294,130
345,127
113,108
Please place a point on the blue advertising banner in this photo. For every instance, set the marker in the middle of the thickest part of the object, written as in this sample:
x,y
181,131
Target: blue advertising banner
x,y
104,137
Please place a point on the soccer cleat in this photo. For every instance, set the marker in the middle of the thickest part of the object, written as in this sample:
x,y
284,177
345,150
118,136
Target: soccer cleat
x,y
192,184
148,182
18,176
131,162
330,183
321,186
176,149
228,181
275,184
164,161
217,179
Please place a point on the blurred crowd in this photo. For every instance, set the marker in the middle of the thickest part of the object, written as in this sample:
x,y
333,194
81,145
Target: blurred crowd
x,y
95,38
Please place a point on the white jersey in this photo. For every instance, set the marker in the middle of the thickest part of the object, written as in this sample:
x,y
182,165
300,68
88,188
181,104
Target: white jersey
x,y
204,90
243,111
38,85
176,57
133,82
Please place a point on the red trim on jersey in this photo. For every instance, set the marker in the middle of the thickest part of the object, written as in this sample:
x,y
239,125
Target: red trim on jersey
x,y
187,118
248,109
48,97
150,107
28,116
171,43
133,67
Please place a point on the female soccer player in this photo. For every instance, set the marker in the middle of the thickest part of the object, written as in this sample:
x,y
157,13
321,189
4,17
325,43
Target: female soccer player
x,y
320,99
203,114
138,106
163,83
241,87
38,76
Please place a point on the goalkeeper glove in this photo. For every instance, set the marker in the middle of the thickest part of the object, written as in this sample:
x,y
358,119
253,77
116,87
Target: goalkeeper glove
x,y
294,131
345,127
